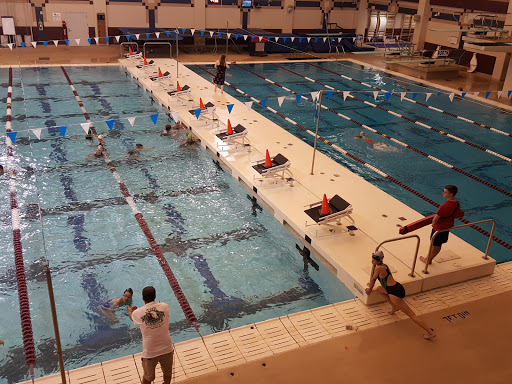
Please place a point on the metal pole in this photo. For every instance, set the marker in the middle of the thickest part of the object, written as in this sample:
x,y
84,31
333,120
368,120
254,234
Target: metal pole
x,y
316,132
55,323
227,30
177,63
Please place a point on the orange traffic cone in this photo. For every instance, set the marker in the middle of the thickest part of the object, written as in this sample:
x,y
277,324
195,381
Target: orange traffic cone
x,y
130,51
178,88
325,206
268,162
160,72
230,129
145,61
201,105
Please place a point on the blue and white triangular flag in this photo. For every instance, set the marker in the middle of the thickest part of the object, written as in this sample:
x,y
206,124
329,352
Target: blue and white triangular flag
x,y
10,46
110,124
183,30
45,43
12,136
89,41
487,94
476,93
62,129
34,43
157,34
414,95
375,94
128,37
175,116
280,100
147,35
22,45
500,93
77,41
154,118
263,102
345,94
402,95
451,95
284,39
192,31
509,93
230,107
298,97
248,104
202,33
388,95
107,39
428,96
329,94
66,41
97,40
211,33
462,95
117,38
197,112
131,120
300,39
86,127
56,42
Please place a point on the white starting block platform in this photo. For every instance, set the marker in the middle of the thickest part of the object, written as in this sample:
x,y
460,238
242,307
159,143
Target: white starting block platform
x,y
377,215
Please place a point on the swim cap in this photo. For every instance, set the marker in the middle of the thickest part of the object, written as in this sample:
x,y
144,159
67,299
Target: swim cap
x,y
189,135
168,126
379,256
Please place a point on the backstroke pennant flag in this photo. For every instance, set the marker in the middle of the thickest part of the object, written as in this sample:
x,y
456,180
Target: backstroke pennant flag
x,y
476,93
402,95
97,40
428,94
77,41
56,42
117,38
192,31
487,94
197,112
45,43
12,136
499,94
131,120
89,41
110,123
86,127
10,46
329,94
230,107
298,97
34,43
62,129
175,116
37,132
451,96
280,100
248,104
154,118
375,94
345,94
414,95
66,41
509,93
388,95
462,95
263,102
157,34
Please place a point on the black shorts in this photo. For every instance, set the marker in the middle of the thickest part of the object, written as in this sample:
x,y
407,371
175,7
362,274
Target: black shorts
x,y
441,238
396,290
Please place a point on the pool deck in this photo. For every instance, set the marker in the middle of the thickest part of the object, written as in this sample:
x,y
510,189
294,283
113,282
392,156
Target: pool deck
x,y
375,213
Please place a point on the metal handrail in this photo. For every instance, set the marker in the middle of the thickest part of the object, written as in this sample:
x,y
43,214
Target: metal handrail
x,y
485,257
157,43
397,239
128,43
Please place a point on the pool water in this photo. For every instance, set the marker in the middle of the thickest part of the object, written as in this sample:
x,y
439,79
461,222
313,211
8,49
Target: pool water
x,y
235,263
422,174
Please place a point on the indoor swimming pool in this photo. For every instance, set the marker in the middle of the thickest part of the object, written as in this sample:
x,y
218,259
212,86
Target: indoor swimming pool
x,y
235,263
476,158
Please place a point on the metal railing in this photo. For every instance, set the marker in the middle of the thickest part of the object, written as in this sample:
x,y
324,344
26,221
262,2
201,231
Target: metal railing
x,y
425,271
128,43
397,239
157,43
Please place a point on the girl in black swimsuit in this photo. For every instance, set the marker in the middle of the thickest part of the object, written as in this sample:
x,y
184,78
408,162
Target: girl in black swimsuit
x,y
394,292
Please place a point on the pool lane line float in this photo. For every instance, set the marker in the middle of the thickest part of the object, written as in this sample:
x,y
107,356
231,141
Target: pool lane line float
x,y
185,306
484,182
419,103
355,158
24,303
405,117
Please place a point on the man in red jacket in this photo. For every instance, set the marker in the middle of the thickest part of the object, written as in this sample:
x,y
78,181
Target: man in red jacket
x,y
443,219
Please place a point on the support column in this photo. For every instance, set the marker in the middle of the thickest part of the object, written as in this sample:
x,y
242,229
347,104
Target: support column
x,y
420,31
288,11
362,17
507,84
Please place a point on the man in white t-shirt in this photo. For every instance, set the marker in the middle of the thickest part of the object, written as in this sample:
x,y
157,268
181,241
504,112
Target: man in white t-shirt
x,y
153,319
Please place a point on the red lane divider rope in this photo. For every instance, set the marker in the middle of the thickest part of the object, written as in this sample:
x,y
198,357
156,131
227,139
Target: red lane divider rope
x,y
447,165
419,103
182,300
355,158
26,322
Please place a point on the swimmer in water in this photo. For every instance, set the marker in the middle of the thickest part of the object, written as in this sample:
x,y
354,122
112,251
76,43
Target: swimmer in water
x,y
173,129
141,148
110,306
190,141
369,141
98,153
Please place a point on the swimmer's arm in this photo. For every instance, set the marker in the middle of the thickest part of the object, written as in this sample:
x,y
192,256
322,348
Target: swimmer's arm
x,y
115,304
373,280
